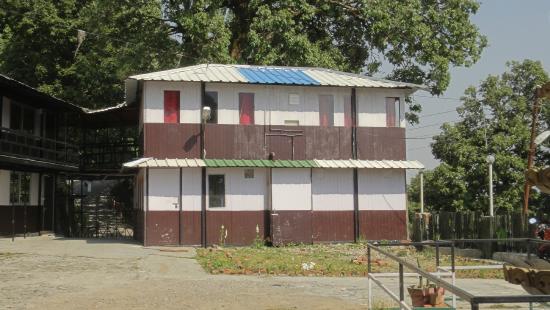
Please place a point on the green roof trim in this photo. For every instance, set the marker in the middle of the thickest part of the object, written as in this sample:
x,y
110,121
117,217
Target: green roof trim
x,y
260,163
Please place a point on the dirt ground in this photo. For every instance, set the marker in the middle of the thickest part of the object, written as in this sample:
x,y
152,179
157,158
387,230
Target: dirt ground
x,y
53,273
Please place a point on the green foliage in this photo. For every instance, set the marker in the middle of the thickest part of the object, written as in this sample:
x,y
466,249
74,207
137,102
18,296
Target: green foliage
x,y
495,119
38,40
418,40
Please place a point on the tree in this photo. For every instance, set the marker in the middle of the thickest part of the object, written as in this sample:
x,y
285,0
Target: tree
x,y
495,119
418,40
38,40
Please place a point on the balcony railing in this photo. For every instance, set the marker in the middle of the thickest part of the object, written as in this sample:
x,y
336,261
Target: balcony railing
x,y
29,146
107,156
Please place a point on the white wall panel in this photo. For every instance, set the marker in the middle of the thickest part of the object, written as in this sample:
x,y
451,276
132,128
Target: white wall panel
x,y
190,101
242,194
228,101
382,189
371,106
4,187
291,189
164,189
270,102
332,189
191,189
33,199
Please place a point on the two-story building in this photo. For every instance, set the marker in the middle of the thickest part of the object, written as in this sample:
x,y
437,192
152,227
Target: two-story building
x,y
59,165
286,154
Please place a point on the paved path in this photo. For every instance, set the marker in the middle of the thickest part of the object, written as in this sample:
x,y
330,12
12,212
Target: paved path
x,y
49,273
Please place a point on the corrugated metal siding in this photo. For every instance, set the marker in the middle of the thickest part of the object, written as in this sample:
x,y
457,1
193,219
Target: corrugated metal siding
x,y
270,75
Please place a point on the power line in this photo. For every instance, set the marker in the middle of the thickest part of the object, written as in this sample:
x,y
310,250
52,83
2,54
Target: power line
x,y
438,97
438,113
431,125
418,148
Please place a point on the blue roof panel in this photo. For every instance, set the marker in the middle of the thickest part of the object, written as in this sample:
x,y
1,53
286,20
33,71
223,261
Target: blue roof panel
x,y
277,76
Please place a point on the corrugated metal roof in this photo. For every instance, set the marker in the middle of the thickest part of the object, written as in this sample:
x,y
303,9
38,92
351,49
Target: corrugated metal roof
x,y
277,76
165,163
264,163
270,75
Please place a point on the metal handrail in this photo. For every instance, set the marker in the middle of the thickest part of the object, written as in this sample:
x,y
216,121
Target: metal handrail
x,y
469,297
448,286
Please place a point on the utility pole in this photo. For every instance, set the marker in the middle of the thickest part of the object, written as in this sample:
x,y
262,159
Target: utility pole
x,y
540,93
490,160
422,191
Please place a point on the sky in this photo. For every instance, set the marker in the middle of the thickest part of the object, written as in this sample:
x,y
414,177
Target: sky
x,y
515,30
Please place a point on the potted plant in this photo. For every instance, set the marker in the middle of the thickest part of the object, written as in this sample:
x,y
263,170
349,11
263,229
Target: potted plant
x,y
426,294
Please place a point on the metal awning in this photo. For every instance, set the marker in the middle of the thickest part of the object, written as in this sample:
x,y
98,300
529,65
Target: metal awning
x,y
265,163
370,164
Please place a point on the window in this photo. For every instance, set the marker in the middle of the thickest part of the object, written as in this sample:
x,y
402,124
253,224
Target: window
x,y
20,186
16,116
347,111
392,112
293,99
292,122
246,108
249,173
171,106
211,100
216,191
22,118
326,110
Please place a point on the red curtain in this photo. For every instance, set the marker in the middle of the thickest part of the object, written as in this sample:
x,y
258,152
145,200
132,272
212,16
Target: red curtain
x,y
171,106
246,108
326,110
390,112
347,111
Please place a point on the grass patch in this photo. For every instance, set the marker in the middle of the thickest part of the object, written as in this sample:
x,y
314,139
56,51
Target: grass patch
x,y
324,260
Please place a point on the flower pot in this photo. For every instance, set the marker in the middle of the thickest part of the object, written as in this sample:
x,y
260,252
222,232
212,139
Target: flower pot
x,y
419,296
436,296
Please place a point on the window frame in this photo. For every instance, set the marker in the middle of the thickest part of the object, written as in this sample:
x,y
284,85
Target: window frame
x,y
241,110
19,190
396,112
177,115
22,121
330,120
211,196
348,111
213,109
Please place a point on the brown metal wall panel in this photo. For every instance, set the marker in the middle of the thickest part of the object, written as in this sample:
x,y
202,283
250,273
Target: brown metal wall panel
x,y
244,226
162,228
171,140
345,143
291,226
191,227
32,219
220,141
379,143
332,226
5,221
240,226
383,225
248,142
